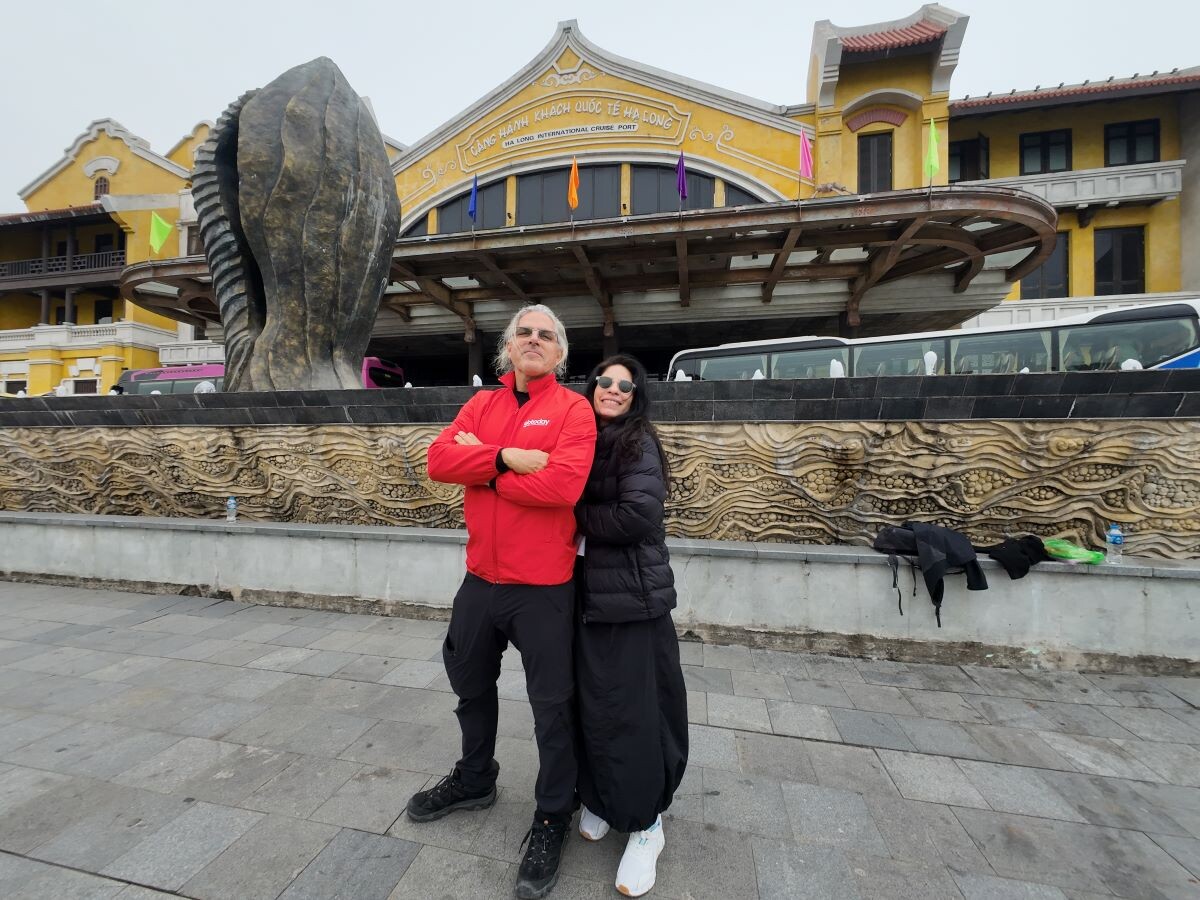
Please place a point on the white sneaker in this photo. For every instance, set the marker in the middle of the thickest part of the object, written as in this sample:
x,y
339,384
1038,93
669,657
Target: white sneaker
x,y
591,826
635,875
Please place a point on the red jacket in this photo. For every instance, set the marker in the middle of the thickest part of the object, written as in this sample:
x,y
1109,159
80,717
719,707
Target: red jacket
x,y
522,531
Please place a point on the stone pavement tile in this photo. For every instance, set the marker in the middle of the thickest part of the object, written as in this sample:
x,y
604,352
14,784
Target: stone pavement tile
x,y
63,694
238,775
15,678
880,878
996,681
334,694
688,802
1154,725
781,758
691,653
193,677
511,685
870,729
1069,687
68,661
385,743
806,872
519,765
315,731
1073,856
262,862
322,663
831,668
802,720
221,609
94,749
879,698
750,803
516,719
702,862
989,887
170,856
1011,712
934,779
288,659
371,800
173,623
345,641
1016,747
824,815
745,713
1016,789
27,879
414,673
1186,851
355,865
221,717
372,668
850,768
128,667
169,646
942,705
927,832
941,738
886,671
779,662
1077,718
759,684
134,892
433,629
1184,688
719,656
149,708
1113,802
1136,690
1096,756
819,693
107,822
302,787
301,636
400,645
238,628
712,748
399,704
711,681
1175,763
35,810
457,875
31,728
167,771
485,832
697,707
232,653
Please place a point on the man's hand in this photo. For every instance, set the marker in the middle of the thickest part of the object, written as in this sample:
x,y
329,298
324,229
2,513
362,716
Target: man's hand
x,y
466,437
523,462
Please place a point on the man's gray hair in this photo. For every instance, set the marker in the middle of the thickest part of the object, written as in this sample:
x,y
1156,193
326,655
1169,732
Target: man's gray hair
x,y
504,364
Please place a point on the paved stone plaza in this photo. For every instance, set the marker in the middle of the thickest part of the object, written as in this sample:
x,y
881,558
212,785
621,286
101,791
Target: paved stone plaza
x,y
164,745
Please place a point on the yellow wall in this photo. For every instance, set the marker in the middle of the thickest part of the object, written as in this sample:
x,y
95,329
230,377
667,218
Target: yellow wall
x,y
183,153
72,187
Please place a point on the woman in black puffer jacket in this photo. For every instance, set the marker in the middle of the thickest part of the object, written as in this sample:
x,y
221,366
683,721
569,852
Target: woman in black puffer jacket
x,y
628,683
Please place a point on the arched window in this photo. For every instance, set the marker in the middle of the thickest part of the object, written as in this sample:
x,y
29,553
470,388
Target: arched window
x,y
100,188
542,196
735,196
419,228
489,212
654,189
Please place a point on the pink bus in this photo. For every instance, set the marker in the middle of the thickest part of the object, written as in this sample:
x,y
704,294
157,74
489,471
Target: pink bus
x,y
376,373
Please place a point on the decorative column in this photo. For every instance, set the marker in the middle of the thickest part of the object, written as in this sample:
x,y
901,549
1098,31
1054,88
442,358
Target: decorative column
x,y
69,313
44,314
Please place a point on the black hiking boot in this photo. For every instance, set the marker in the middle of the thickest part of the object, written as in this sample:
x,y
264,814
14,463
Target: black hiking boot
x,y
539,868
446,796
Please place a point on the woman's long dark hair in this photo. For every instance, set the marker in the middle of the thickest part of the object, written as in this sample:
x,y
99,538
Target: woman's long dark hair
x,y
629,428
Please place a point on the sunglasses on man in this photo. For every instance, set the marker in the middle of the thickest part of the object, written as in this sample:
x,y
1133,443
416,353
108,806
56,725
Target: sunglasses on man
x,y
604,382
546,334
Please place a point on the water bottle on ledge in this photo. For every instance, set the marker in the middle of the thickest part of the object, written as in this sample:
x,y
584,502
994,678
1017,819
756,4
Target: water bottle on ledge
x,y
1114,543
231,509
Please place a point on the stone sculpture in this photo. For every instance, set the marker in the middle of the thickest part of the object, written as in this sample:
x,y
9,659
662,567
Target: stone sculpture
x,y
298,215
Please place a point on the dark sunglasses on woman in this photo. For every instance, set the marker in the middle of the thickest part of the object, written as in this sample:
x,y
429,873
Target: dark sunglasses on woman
x,y
604,382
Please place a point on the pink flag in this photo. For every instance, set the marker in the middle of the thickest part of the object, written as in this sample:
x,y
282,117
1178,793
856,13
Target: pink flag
x,y
806,161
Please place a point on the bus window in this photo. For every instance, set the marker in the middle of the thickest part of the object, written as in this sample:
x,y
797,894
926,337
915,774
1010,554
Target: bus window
x,y
731,368
1164,339
808,363
899,357
1000,353
1089,348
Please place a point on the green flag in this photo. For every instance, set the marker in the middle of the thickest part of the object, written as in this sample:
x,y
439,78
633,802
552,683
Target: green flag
x,y
931,156
160,230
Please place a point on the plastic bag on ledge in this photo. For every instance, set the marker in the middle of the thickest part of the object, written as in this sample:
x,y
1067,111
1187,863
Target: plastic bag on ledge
x,y
1068,552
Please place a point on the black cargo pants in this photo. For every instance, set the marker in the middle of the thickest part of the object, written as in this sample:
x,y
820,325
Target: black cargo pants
x,y
538,621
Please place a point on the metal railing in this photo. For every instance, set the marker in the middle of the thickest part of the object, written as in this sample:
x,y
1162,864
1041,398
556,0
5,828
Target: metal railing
x,y
57,265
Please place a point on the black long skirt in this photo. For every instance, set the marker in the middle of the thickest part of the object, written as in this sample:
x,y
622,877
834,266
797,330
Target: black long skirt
x,y
632,720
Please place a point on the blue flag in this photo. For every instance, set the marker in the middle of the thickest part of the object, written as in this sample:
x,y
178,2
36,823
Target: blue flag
x,y
472,207
681,178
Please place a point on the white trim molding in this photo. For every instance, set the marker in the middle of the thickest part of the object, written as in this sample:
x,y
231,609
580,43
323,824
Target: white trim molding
x,y
105,164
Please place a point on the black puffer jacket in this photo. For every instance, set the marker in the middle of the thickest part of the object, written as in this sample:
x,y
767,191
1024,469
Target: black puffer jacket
x,y
626,565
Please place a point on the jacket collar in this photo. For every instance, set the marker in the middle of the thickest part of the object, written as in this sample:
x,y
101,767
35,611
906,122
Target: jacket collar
x,y
536,387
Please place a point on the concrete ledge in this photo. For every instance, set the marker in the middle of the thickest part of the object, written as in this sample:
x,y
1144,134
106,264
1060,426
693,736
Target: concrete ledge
x,y
1142,616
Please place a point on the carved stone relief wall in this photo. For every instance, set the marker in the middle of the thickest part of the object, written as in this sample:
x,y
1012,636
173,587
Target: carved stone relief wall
x,y
803,482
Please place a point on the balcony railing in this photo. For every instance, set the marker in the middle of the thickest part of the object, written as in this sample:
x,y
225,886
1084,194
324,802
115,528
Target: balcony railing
x,y
1110,186
58,265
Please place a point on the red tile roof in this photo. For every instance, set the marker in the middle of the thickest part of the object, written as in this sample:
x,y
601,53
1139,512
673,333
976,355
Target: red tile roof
x,y
1093,89
920,33
47,215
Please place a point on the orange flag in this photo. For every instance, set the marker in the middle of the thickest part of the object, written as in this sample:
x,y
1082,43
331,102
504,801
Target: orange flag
x,y
573,185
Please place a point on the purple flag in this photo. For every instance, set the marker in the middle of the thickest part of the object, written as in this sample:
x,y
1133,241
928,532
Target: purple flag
x,y
681,178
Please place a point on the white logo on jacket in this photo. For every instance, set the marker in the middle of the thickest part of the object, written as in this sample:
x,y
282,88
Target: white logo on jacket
x,y
529,422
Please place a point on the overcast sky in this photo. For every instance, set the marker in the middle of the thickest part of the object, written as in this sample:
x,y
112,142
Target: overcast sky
x,y
160,68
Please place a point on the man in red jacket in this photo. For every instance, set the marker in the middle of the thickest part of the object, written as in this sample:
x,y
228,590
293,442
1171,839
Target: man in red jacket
x,y
523,452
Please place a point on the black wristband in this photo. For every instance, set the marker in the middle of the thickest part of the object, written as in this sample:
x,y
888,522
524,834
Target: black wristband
x,y
501,465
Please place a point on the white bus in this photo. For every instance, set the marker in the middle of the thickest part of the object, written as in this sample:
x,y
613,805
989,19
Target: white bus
x,y
1153,336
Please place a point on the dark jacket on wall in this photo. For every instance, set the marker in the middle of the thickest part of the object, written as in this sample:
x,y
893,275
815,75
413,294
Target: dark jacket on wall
x,y
627,570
